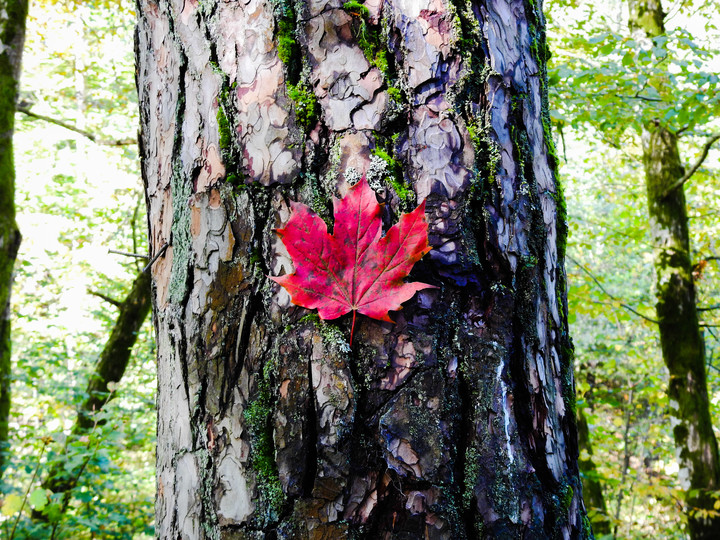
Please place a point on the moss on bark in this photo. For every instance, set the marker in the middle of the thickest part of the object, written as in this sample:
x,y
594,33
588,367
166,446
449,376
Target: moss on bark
x,y
12,35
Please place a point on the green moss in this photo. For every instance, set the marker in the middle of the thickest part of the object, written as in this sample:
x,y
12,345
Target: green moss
x,y
356,8
226,137
472,471
368,37
288,48
307,108
224,129
286,40
333,337
395,93
309,318
258,418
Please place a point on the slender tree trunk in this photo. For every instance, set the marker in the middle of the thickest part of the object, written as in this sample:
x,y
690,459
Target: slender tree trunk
x,y
681,339
12,37
113,361
457,421
592,488
682,343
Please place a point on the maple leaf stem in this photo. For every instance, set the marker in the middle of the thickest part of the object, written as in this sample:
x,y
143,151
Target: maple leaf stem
x,y
352,328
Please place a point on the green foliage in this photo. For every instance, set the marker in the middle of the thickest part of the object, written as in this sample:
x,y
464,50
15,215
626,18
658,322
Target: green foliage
x,y
307,108
76,201
368,37
631,81
606,84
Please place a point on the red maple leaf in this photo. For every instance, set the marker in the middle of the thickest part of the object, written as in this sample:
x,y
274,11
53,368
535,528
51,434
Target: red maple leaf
x,y
354,269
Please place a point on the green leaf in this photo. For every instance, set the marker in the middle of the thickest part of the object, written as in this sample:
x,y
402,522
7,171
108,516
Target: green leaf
x,y
38,499
11,505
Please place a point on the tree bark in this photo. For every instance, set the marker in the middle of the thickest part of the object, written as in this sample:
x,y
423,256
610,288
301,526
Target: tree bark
x,y
457,421
681,339
12,37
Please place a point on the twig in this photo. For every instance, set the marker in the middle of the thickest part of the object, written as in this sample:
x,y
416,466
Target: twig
x,y
127,254
67,494
709,308
156,257
644,98
706,150
27,491
608,293
70,127
105,297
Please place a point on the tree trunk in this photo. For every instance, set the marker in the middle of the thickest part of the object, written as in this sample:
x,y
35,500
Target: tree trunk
x,y
681,339
592,488
457,421
12,37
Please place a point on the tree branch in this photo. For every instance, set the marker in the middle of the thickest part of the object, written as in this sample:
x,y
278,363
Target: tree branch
x,y
603,289
706,150
108,299
70,127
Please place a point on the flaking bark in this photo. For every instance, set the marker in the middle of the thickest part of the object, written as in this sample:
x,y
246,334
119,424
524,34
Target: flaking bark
x,y
457,421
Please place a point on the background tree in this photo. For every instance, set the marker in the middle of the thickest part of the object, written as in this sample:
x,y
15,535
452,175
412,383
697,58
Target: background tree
x,y
457,421
76,200
12,36
657,83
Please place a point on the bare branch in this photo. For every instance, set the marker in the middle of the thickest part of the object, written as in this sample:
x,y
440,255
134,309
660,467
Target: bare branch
x,y
604,290
709,308
156,257
70,127
127,254
105,297
706,150
643,98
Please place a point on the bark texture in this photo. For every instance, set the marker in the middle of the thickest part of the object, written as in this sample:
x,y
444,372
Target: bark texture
x,y
12,37
681,339
457,421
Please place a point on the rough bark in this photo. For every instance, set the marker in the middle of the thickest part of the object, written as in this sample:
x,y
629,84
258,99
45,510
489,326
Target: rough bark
x,y
113,361
12,37
681,339
457,421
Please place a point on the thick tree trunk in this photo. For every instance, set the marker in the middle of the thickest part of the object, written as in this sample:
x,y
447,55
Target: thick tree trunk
x,y
457,421
12,37
681,339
